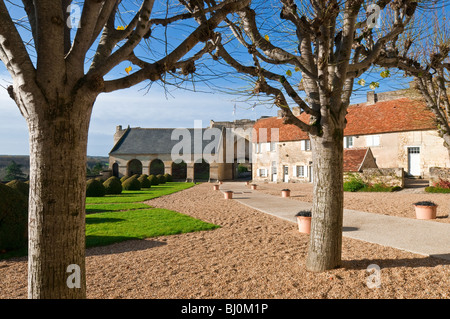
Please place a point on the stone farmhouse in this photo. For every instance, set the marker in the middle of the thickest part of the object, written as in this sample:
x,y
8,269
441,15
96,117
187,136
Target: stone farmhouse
x,y
181,152
392,130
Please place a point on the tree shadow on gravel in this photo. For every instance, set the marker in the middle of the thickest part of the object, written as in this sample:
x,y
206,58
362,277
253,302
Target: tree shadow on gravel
x,y
431,261
124,246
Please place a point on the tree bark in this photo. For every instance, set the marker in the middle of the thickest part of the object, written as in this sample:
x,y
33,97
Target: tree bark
x,y
58,147
325,244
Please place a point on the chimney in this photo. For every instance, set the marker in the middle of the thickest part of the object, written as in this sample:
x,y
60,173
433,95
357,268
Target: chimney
x,y
279,113
118,128
371,98
296,111
119,133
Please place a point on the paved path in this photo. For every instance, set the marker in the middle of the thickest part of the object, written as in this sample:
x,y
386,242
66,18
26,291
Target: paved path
x,y
422,237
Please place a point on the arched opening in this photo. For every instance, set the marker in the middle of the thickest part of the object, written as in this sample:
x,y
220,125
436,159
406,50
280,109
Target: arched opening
x,y
115,170
201,170
134,167
179,171
156,167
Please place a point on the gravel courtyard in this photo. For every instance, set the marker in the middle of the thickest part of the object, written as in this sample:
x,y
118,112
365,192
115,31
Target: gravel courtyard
x,y
394,204
252,255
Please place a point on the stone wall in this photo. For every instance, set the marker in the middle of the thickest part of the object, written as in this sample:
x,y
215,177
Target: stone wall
x,y
437,173
390,177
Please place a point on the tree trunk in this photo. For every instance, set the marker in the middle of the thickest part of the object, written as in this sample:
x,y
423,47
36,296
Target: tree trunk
x,y
325,244
56,249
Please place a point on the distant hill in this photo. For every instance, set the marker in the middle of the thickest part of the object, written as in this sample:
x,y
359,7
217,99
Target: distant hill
x,y
24,161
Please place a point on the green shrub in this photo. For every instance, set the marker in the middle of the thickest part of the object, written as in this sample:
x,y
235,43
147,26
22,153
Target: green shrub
x,y
161,178
113,186
95,188
380,188
22,187
131,184
13,218
168,177
153,180
354,184
124,178
145,183
433,189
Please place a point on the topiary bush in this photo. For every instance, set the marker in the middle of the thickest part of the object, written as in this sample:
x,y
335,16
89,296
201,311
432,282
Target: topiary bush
x,y
95,188
113,186
22,187
131,184
124,178
161,178
145,183
153,180
168,177
13,218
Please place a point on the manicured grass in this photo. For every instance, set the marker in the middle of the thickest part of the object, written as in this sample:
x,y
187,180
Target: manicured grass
x,y
142,195
433,189
101,208
107,228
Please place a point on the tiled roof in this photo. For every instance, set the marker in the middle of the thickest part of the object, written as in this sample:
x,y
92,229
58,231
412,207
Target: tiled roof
x,y
399,115
353,159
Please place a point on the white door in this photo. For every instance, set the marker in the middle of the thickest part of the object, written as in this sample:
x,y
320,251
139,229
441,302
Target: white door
x,y
274,171
414,161
286,173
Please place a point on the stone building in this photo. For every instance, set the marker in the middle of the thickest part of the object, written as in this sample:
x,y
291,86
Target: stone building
x,y
391,130
187,154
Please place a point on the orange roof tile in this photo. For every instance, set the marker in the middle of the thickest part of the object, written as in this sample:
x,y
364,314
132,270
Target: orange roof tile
x,y
353,159
397,115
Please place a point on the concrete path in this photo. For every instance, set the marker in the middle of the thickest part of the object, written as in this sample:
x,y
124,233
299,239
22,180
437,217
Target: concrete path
x,y
422,237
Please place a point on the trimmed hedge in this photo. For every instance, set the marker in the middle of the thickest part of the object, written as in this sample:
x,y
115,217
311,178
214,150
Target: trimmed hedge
x,y
95,188
124,178
161,178
14,218
131,184
145,183
168,177
113,186
22,187
153,180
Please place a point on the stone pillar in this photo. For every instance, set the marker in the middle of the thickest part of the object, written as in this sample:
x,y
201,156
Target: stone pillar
x,y
213,172
190,172
168,167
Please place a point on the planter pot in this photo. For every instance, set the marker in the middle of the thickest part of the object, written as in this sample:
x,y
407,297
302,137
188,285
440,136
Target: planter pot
x,y
253,186
228,195
304,224
247,183
425,212
216,187
220,182
285,193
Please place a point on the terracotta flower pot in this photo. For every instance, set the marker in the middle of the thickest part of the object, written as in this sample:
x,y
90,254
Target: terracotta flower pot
x,y
216,187
304,224
253,186
220,182
247,183
285,193
425,212
228,195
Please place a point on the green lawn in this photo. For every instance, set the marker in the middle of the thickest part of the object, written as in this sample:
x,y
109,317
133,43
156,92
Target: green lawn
x,y
142,195
116,218
111,227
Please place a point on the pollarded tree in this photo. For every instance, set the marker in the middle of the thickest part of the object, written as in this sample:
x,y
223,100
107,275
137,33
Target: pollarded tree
x,y
55,84
423,53
319,47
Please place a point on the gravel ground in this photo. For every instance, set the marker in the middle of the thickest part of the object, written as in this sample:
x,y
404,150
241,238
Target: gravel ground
x,y
252,255
394,204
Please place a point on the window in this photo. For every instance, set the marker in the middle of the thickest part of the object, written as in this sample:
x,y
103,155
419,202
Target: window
x,y
305,145
373,140
273,146
274,167
262,172
300,171
348,142
257,148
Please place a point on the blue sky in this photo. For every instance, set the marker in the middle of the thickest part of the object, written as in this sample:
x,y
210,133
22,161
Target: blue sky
x,y
138,108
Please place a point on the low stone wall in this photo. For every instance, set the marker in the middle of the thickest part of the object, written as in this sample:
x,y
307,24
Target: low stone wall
x,y
437,173
390,177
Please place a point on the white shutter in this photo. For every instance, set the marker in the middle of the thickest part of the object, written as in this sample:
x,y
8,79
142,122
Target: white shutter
x,y
302,145
306,171
258,172
345,142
